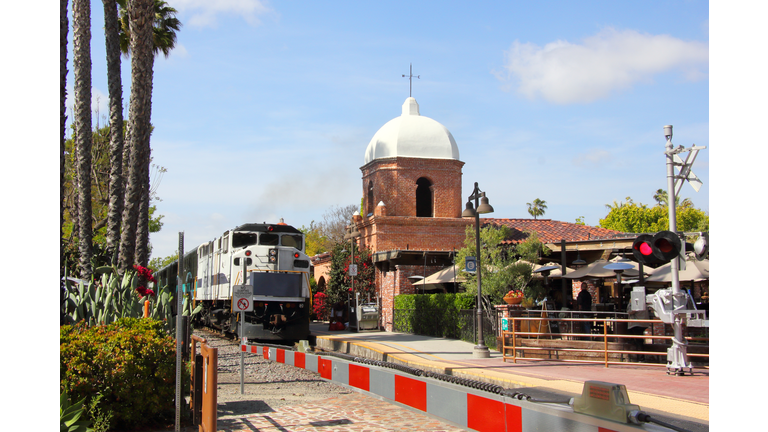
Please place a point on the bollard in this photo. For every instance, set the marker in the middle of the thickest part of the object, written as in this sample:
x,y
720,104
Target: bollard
x,y
209,393
146,308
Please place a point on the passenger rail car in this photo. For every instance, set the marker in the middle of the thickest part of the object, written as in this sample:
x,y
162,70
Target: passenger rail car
x,y
277,270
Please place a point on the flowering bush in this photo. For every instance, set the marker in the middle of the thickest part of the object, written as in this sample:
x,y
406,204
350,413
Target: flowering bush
x,y
126,371
145,274
320,306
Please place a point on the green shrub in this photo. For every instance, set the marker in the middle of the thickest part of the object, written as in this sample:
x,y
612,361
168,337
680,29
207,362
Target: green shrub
x,y
126,371
432,314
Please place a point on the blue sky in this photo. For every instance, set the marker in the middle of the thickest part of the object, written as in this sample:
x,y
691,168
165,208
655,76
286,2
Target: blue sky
x,y
265,109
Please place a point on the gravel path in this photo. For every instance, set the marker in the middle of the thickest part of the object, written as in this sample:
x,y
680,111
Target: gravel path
x,y
268,385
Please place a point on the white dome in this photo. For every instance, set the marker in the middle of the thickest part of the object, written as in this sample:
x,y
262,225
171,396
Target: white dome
x,y
412,135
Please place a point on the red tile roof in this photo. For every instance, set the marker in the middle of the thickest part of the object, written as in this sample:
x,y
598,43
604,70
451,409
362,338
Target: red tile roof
x,y
551,231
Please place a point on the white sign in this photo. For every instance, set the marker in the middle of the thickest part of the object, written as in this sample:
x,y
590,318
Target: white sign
x,y
242,298
353,269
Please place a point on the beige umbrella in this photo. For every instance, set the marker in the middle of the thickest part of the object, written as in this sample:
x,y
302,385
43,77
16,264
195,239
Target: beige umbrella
x,y
597,270
694,271
445,275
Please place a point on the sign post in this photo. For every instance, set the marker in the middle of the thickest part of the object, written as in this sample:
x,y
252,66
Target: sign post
x,y
179,314
242,301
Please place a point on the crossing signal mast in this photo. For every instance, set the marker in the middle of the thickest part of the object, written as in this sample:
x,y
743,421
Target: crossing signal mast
x,y
677,356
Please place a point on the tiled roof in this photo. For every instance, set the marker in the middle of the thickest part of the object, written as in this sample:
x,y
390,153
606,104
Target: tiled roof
x,y
551,231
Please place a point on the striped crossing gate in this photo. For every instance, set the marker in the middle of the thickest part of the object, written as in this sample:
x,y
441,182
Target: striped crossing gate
x,y
463,406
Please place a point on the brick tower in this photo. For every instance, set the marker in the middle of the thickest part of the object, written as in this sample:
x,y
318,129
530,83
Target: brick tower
x,y
412,203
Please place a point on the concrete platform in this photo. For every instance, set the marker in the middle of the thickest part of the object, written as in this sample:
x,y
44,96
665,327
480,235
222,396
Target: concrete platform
x,y
684,399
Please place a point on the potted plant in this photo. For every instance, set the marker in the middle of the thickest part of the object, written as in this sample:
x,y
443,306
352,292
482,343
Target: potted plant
x,y
513,297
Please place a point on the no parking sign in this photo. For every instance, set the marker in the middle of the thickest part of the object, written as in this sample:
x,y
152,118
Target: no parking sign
x,y
242,298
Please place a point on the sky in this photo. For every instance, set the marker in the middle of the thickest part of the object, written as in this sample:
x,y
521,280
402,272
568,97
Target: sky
x,y
264,109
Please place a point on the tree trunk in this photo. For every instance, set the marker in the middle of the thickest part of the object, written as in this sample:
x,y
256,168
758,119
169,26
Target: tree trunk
x,y
116,190
140,13
81,17
63,32
142,229
142,226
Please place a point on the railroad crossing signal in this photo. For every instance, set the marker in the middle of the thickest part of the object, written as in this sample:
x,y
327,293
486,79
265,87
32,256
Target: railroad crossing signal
x,y
659,248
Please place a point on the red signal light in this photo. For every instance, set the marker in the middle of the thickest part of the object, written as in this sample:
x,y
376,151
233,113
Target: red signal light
x,y
247,253
642,249
295,254
656,249
666,246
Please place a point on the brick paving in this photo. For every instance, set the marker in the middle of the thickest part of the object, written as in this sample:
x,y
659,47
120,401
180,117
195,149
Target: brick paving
x,y
352,412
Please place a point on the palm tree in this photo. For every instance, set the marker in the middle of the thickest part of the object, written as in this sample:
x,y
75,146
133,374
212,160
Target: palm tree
x,y
163,32
140,19
81,29
164,28
538,208
662,199
116,190
63,31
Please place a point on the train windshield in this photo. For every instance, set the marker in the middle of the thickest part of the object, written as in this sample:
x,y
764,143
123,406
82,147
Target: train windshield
x,y
291,241
240,239
269,239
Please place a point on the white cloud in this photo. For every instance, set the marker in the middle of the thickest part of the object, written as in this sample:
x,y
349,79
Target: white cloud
x,y
564,73
204,12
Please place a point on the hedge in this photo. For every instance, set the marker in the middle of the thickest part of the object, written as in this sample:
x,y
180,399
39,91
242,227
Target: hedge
x,y
126,371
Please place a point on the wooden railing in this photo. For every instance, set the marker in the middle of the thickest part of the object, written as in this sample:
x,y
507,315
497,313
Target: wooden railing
x,y
578,347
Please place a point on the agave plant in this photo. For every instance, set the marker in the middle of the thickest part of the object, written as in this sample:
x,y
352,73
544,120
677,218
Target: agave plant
x,y
69,415
112,298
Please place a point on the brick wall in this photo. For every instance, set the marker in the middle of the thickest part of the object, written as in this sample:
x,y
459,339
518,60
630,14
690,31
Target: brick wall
x,y
394,183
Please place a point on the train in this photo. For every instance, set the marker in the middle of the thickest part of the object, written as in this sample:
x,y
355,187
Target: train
x,y
276,270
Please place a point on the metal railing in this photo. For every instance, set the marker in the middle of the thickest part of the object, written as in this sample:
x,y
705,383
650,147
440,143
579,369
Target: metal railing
x,y
602,325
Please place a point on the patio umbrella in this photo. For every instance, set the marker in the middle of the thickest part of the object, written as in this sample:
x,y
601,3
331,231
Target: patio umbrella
x,y
440,277
597,270
694,271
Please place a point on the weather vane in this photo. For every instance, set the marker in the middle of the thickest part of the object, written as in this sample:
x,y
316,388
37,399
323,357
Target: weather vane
x,y
410,81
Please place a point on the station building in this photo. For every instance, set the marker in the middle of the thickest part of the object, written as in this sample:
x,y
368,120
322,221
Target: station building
x,y
411,184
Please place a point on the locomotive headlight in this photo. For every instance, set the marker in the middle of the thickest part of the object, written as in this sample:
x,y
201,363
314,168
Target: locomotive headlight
x,y
273,256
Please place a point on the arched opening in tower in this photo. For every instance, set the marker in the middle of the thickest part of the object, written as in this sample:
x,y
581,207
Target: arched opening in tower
x,y
423,198
369,200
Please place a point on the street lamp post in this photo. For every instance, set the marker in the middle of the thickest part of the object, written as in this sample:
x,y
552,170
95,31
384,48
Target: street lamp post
x,y
480,350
